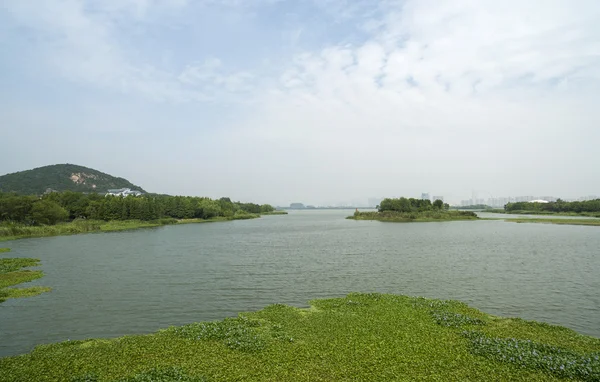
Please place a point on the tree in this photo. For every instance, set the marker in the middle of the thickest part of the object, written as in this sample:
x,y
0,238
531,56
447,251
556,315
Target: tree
x,y
266,208
438,204
48,212
208,208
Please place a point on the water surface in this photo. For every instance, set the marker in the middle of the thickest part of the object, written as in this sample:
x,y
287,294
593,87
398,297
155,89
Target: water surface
x,y
112,284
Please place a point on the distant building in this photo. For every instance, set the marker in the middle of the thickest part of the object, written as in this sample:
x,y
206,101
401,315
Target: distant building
x,y
425,196
538,201
123,192
297,206
438,197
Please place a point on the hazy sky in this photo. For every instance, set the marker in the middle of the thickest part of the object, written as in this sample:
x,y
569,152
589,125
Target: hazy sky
x,y
316,101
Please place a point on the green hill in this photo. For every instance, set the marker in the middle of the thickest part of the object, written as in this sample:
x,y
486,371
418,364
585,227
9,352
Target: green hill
x,y
62,177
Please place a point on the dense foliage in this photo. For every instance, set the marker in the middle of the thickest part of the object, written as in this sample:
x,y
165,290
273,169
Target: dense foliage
x,y
418,216
362,337
62,177
57,207
411,205
558,206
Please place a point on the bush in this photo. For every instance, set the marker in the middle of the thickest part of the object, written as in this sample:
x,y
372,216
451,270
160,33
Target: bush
x,y
47,212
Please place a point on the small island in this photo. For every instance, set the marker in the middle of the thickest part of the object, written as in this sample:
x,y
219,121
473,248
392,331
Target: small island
x,y
405,210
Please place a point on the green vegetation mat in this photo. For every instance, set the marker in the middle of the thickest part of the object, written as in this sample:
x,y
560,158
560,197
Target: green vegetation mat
x,y
362,337
407,217
3,250
526,212
276,212
11,273
13,231
589,222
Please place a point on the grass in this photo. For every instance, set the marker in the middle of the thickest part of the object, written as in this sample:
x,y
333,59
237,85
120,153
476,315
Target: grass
x,y
527,212
407,217
589,222
12,273
211,220
3,250
276,212
362,337
11,231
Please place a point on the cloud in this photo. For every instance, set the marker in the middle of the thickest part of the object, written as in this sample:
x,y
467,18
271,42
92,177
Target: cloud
x,y
91,43
493,88
404,95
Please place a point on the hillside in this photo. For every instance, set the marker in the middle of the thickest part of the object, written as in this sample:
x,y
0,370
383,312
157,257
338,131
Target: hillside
x,y
62,177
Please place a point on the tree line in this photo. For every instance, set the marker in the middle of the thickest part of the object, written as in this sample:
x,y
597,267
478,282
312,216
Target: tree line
x,y
411,205
558,206
58,207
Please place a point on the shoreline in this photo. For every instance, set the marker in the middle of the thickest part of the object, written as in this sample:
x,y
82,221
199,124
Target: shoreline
x,y
585,222
545,213
414,217
358,337
94,226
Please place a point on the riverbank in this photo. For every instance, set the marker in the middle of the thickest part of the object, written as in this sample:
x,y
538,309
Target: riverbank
x,y
362,337
407,217
20,231
588,222
12,273
527,212
276,212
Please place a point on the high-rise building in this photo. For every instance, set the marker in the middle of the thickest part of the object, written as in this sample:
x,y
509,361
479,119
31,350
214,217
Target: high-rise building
x,y
425,196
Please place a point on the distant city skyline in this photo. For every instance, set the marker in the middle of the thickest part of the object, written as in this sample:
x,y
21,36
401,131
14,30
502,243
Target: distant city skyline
x,y
490,201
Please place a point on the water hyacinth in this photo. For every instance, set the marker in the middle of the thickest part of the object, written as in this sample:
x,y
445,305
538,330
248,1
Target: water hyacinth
x,y
383,338
563,363
234,333
239,333
157,374
454,320
422,302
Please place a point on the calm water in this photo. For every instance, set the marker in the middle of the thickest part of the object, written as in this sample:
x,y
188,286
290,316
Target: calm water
x,y
107,285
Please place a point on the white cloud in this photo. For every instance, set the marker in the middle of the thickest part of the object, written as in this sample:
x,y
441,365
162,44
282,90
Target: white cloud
x,y
423,94
86,42
495,88
428,60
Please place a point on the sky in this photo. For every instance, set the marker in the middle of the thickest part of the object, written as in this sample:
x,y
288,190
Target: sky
x,y
314,101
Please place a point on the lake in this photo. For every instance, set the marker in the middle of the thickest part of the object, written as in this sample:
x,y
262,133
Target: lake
x,y
112,284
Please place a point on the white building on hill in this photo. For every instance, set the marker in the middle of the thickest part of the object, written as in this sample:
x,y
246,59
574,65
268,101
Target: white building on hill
x,y
123,192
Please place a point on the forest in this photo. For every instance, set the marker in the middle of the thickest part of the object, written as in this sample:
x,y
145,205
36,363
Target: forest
x,y
555,207
57,207
411,205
